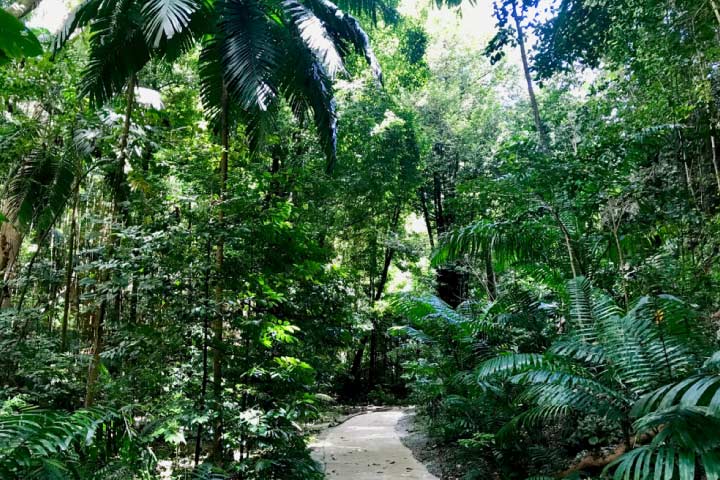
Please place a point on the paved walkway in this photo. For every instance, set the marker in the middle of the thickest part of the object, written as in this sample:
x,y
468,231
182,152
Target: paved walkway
x,y
367,447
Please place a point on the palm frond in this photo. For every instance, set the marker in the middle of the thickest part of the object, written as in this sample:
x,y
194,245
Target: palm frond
x,y
313,32
308,88
571,381
345,29
370,8
117,50
642,353
166,18
582,309
713,362
249,53
80,17
411,333
211,79
40,188
685,437
575,398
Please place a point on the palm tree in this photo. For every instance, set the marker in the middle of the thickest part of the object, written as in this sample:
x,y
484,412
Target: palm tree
x,y
258,51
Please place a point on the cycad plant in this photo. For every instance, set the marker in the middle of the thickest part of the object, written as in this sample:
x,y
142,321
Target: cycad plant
x,y
607,361
38,444
445,345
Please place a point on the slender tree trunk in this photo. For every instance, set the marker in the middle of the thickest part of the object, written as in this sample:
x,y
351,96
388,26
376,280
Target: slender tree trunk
x,y
715,161
372,372
426,216
451,282
356,369
566,235
119,179
94,367
217,326
389,254
117,185
716,10
203,385
10,242
621,259
544,143
133,317
69,267
439,216
377,293
490,274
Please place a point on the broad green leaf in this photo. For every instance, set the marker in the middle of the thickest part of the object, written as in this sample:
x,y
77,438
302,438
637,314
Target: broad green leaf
x,y
16,41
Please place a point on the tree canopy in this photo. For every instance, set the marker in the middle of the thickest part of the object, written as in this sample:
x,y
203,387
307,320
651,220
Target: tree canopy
x,y
222,220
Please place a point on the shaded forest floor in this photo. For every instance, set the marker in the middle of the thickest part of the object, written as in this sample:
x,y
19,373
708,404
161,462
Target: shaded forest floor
x,y
443,460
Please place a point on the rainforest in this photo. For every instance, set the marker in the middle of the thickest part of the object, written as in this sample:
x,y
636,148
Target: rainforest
x,y
360,239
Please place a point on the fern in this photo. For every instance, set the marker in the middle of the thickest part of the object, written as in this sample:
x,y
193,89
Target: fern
x,y
33,440
511,363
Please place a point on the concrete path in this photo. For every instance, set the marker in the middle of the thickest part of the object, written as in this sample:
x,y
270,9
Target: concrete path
x,y
367,447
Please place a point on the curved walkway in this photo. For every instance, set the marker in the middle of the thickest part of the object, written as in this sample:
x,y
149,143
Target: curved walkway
x,y
368,447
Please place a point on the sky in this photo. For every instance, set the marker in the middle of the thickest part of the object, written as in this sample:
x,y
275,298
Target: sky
x,y
476,22
51,15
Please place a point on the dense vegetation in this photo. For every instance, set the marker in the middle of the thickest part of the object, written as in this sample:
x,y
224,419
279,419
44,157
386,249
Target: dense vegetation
x,y
217,217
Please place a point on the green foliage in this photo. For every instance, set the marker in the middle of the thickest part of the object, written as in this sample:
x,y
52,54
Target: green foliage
x,y
50,444
161,316
16,40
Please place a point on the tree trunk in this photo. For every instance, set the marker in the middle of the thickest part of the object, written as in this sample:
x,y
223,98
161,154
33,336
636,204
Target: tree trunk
x,y
217,326
372,372
426,216
621,259
94,367
356,369
451,283
22,8
119,174
544,143
716,10
389,253
69,270
203,385
490,274
10,242
715,161
439,216
566,236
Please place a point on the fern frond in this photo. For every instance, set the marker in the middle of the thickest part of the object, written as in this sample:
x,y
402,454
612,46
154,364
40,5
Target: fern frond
x,y
580,351
695,391
578,399
531,418
412,333
571,381
512,363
